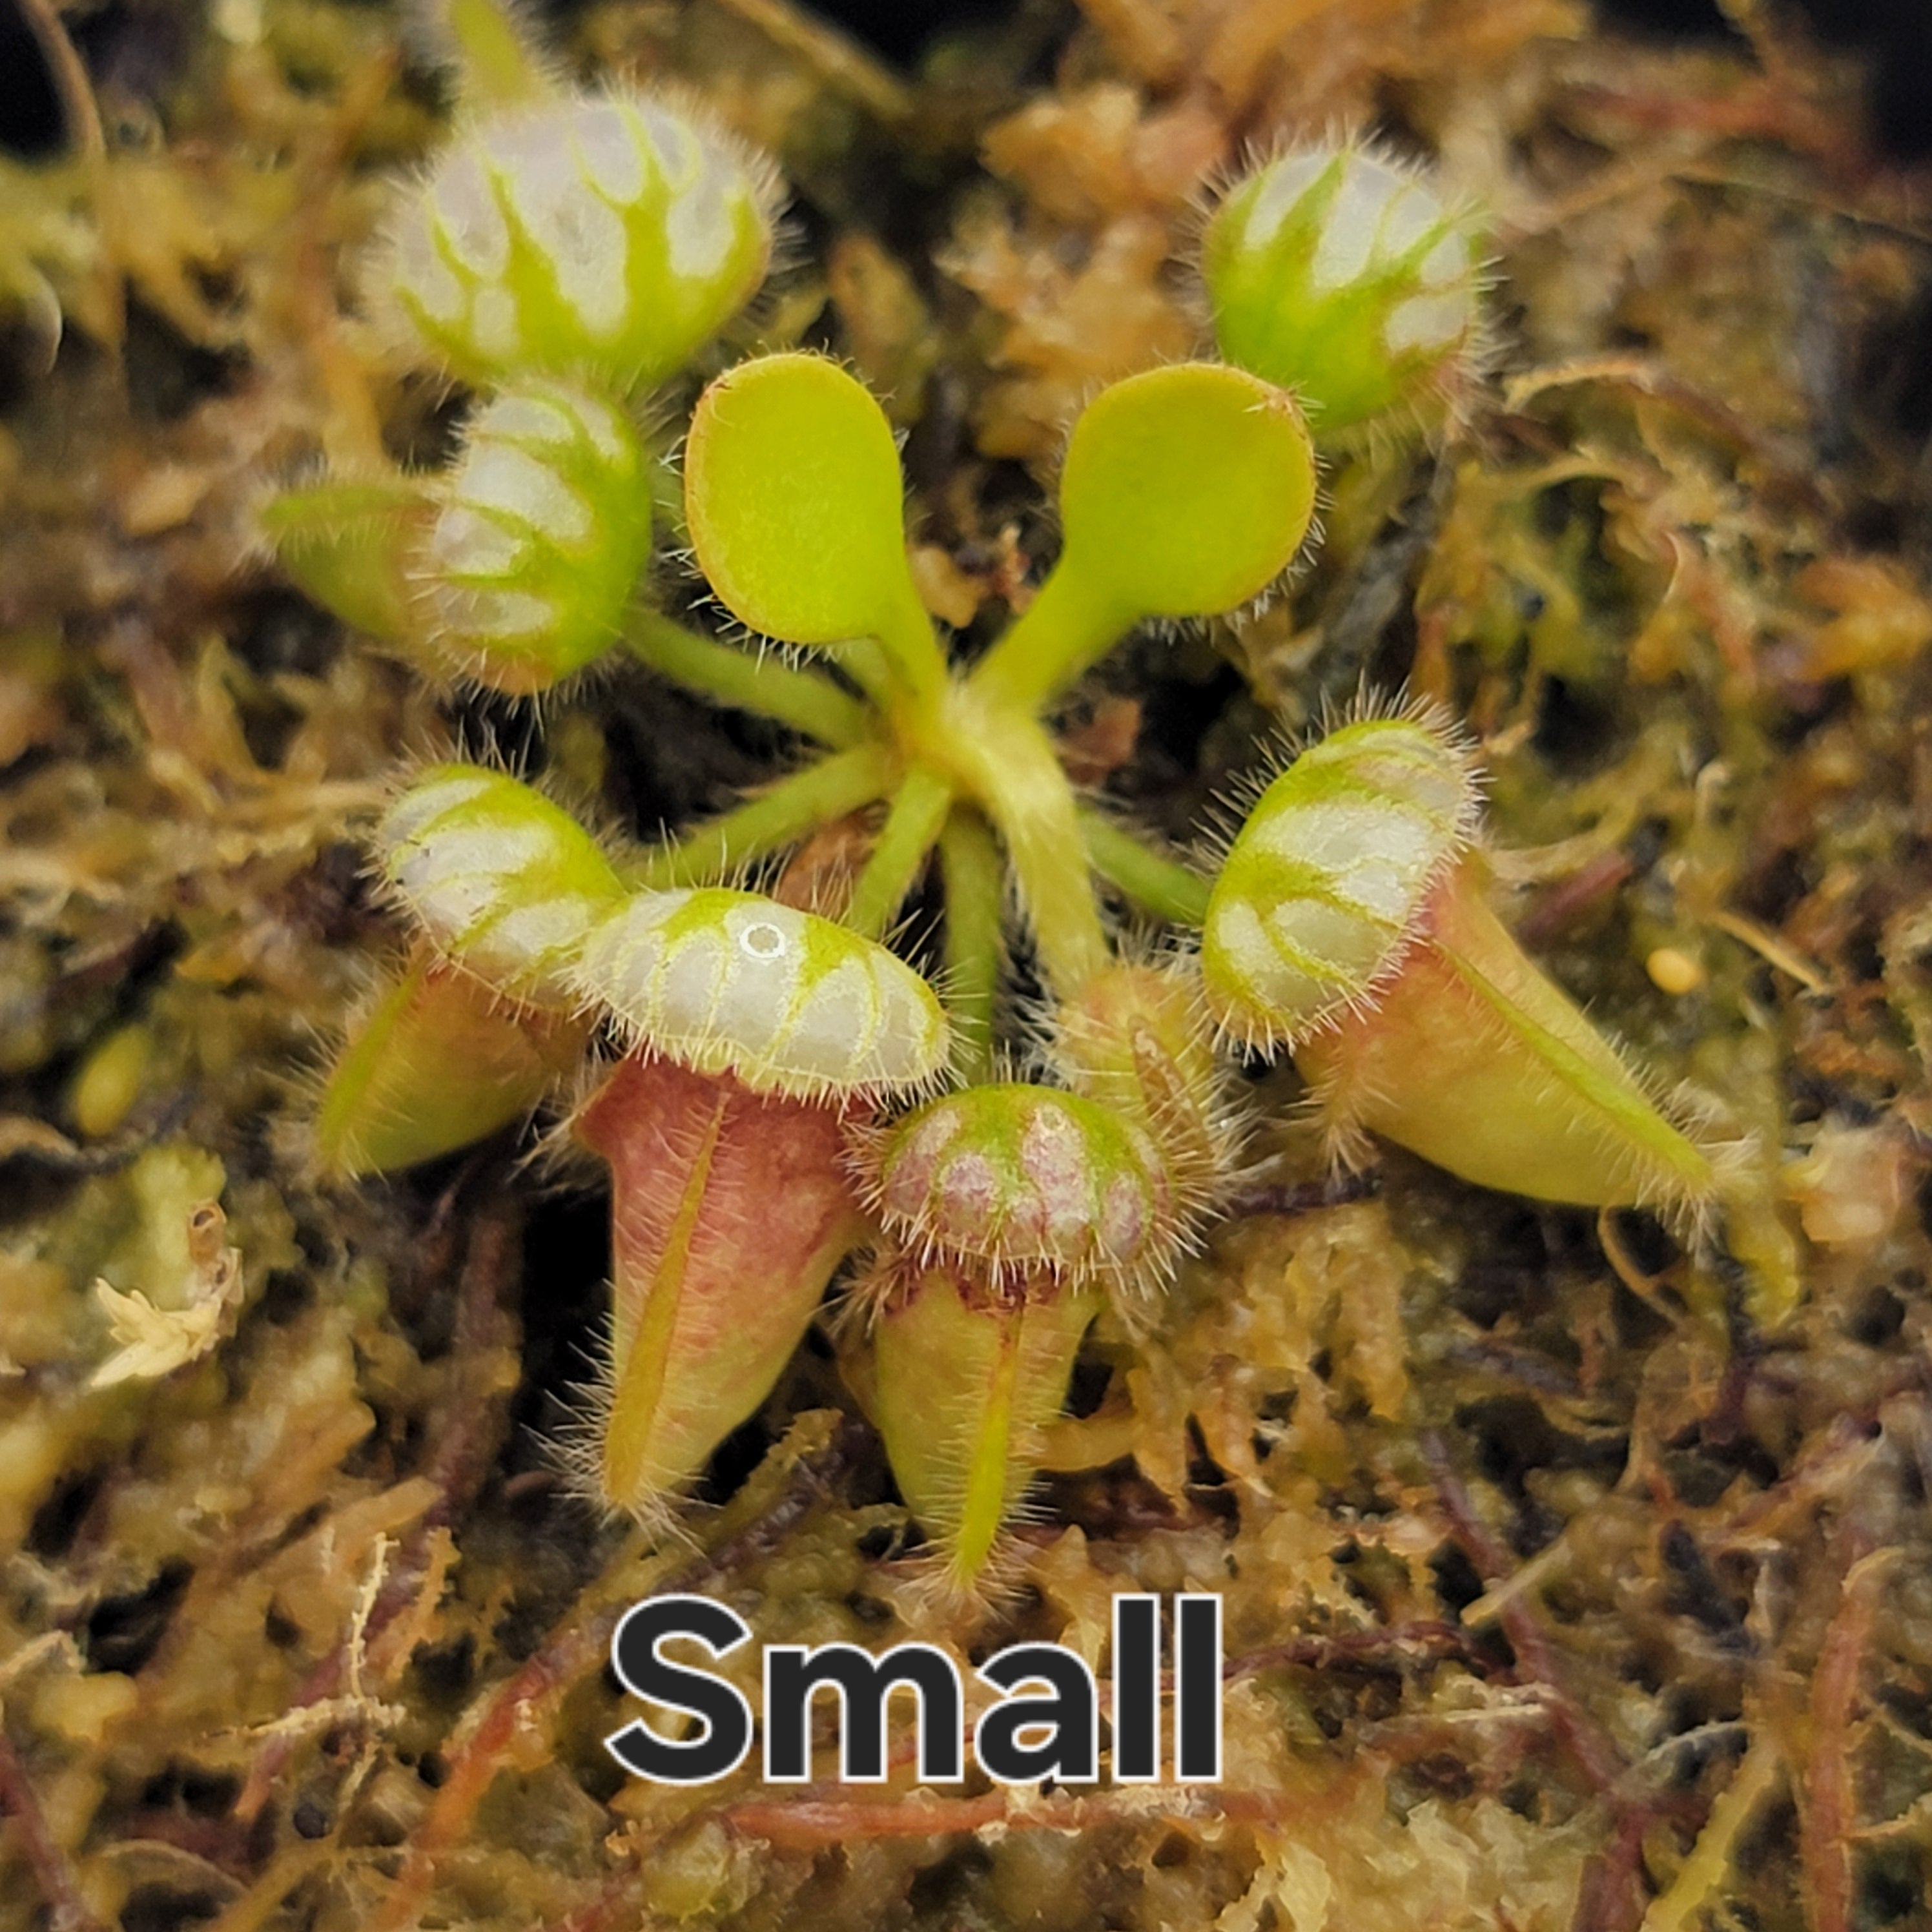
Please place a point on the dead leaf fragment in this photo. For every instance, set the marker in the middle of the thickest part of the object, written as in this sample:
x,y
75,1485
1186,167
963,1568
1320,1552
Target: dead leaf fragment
x,y
154,1341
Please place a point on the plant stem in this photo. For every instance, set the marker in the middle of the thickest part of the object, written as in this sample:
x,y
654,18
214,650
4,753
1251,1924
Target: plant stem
x,y
1067,627
1156,884
780,816
869,667
496,67
1010,766
969,856
911,828
802,699
911,646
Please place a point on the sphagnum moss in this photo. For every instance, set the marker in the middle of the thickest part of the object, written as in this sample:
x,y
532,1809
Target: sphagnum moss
x,y
293,1562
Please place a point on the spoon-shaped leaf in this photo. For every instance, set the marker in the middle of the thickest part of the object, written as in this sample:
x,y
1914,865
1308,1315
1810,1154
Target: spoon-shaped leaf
x,y
1186,491
793,495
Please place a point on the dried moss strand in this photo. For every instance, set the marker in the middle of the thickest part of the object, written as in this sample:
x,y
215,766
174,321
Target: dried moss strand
x,y
788,812
794,1481
79,109
59,1885
468,1434
912,829
764,686
969,858
1702,1874
1828,1811
1589,1744
1161,886
266,1896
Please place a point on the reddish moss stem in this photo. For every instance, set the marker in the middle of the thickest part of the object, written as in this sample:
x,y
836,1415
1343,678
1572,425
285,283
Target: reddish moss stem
x,y
574,1650
60,1890
1394,1646
1590,1746
1829,1815
461,1455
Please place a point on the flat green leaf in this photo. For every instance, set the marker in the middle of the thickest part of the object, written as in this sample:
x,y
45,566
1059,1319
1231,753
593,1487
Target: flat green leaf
x,y
793,496
1186,491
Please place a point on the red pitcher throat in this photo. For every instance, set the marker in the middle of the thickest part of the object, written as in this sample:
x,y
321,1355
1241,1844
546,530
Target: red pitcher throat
x,y
729,1211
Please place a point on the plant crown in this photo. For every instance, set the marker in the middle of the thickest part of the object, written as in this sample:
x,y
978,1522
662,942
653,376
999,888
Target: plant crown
x,y
568,249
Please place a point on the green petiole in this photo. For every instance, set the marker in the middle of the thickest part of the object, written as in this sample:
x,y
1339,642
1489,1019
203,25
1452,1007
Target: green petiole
x,y
765,686
969,857
912,829
496,68
906,639
1010,764
1066,629
778,816
1161,886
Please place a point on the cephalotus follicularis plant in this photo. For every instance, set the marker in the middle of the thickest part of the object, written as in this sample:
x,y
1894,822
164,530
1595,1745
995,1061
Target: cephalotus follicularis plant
x,y
792,1091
